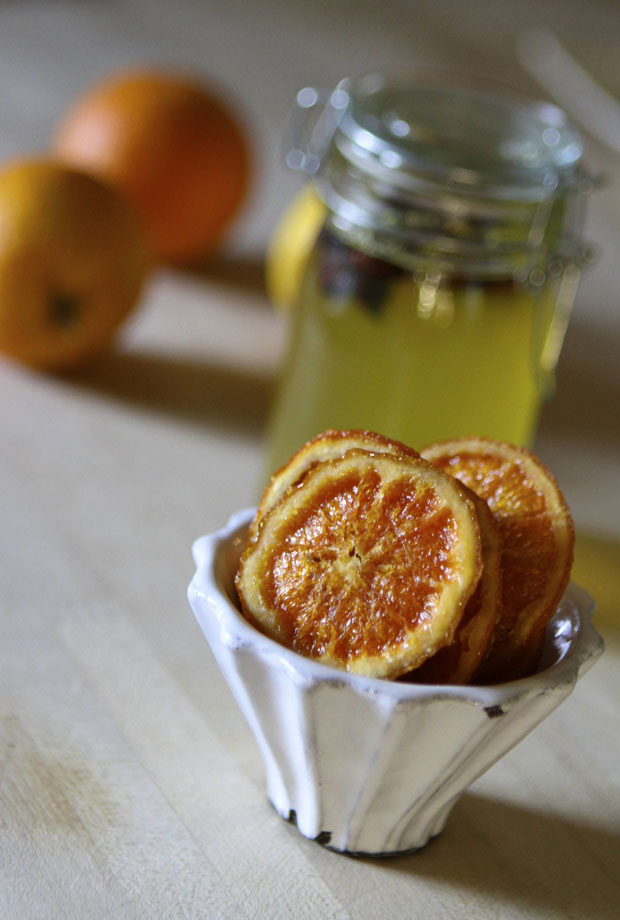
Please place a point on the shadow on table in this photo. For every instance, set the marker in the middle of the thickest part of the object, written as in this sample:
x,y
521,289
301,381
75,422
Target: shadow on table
x,y
198,392
597,569
204,393
240,273
585,405
579,868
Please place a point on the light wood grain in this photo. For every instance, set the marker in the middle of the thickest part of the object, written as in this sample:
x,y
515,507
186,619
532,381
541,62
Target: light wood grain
x,y
129,784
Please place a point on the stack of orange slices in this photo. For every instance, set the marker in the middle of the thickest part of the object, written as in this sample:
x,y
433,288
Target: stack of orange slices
x,y
537,539
438,567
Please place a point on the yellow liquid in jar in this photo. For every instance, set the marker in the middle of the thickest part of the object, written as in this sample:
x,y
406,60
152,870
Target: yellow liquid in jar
x,y
431,361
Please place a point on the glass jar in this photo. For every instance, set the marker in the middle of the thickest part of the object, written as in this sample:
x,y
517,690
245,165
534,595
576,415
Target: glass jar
x,y
436,299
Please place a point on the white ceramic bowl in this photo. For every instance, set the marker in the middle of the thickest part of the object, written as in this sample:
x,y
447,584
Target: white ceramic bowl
x,y
371,766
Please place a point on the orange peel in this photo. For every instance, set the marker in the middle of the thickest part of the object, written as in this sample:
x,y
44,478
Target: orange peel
x,y
328,445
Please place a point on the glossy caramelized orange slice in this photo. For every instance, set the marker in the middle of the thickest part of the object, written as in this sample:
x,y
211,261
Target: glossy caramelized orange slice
x,y
367,565
537,542
460,662
328,445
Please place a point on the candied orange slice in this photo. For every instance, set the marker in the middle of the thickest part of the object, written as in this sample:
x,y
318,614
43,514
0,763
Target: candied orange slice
x,y
460,662
328,445
367,565
537,542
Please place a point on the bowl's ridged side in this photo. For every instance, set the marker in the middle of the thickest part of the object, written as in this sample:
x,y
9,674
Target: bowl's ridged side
x,y
369,766
480,740
365,773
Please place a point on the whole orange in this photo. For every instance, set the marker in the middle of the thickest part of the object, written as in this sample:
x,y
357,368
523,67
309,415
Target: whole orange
x,y
73,261
173,147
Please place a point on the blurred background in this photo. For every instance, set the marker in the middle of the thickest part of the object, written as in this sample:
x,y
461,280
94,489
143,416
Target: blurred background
x,y
204,347
261,54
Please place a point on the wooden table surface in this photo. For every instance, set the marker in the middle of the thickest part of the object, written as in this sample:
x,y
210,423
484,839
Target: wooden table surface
x,y
129,784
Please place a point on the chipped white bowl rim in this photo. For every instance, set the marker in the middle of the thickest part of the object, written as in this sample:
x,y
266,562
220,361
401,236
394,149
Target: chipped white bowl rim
x,y
576,641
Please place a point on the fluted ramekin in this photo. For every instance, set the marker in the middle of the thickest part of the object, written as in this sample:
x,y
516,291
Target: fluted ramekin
x,y
371,766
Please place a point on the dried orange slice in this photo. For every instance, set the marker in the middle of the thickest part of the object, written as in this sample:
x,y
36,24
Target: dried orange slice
x,y
367,565
460,662
537,542
326,446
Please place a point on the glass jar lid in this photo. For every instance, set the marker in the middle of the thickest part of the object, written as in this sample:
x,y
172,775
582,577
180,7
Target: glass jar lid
x,y
474,140
427,167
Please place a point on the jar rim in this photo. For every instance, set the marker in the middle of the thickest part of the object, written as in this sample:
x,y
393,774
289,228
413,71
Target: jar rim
x,y
442,165
471,136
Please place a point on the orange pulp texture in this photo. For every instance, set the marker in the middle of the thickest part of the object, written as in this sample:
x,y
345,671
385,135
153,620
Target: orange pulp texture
x,y
461,662
368,566
328,445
